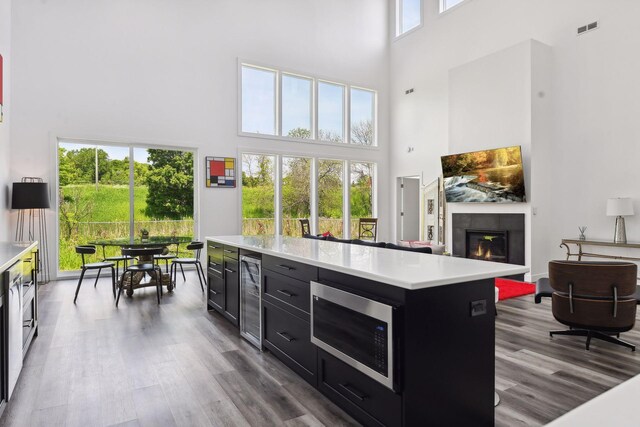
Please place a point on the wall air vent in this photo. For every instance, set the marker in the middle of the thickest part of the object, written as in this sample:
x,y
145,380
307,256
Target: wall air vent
x,y
586,28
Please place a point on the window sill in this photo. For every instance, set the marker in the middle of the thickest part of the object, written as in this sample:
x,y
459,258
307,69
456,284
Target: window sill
x,y
309,141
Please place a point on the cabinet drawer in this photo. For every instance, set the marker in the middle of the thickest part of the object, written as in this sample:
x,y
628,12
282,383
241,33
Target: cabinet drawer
x,y
290,336
287,292
353,390
215,251
297,270
230,252
215,266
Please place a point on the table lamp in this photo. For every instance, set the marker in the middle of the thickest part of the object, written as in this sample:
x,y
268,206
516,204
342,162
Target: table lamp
x,y
620,207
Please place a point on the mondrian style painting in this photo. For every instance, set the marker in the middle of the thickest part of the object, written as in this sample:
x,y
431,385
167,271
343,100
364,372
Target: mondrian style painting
x,y
221,172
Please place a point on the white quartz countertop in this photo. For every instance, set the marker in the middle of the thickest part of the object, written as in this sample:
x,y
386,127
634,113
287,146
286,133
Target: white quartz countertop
x,y
408,270
10,252
615,407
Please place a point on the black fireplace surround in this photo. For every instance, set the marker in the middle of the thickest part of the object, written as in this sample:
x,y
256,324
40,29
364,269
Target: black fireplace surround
x,y
506,230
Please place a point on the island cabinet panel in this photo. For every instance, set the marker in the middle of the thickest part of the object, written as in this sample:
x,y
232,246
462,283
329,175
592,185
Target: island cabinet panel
x,y
297,270
366,400
288,337
287,293
223,284
231,289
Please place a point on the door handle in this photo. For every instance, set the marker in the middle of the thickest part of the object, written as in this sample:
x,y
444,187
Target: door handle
x,y
353,391
285,267
285,293
286,336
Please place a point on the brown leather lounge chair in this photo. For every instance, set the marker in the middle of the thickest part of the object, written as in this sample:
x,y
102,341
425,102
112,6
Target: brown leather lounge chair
x,y
595,299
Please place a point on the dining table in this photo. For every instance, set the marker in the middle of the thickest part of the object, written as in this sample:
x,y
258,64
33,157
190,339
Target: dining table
x,y
138,242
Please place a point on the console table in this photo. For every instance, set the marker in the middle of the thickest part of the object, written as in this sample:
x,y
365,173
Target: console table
x,y
601,243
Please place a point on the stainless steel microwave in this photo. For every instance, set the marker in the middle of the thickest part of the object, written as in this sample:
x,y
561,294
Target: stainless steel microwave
x,y
356,330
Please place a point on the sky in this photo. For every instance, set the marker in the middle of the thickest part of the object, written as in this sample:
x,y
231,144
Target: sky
x,y
114,152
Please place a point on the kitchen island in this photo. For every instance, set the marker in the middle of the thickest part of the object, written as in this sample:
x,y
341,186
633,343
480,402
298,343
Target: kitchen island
x,y
394,338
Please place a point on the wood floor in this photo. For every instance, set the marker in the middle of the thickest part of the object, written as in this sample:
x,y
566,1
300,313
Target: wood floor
x,y
175,364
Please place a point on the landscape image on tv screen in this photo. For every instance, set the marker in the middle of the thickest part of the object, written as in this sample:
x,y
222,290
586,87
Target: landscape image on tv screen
x,y
484,176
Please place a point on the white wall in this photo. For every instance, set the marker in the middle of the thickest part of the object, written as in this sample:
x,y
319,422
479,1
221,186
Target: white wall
x,y
594,102
5,129
166,72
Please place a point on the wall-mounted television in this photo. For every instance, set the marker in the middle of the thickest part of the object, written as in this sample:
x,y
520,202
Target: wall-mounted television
x,y
494,176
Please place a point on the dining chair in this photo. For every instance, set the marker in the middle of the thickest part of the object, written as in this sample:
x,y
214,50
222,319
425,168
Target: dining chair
x,y
305,226
144,265
197,248
166,256
368,229
91,250
116,260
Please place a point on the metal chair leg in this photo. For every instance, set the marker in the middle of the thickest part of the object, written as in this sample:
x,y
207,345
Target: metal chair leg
x,y
113,281
97,277
200,275
183,276
79,283
122,286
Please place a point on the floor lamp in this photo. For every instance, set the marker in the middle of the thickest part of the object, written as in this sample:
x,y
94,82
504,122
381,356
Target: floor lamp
x,y
31,197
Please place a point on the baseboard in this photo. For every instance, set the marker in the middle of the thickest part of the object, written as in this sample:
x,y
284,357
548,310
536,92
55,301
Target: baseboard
x,y
535,277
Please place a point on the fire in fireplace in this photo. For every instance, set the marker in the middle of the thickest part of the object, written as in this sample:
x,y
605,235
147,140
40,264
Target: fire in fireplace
x,y
487,245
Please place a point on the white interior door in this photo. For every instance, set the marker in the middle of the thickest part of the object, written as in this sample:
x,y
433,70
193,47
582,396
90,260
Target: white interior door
x,y
408,208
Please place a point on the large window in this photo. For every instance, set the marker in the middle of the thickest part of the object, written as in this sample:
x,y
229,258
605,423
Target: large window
x,y
448,4
330,112
363,105
305,108
297,93
296,193
408,15
258,194
331,196
258,100
102,198
279,190
362,193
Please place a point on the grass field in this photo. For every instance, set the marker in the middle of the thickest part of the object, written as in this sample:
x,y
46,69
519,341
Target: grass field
x,y
105,215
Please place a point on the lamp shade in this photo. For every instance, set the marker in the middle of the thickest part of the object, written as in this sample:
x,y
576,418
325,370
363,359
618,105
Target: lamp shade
x,y
30,195
621,206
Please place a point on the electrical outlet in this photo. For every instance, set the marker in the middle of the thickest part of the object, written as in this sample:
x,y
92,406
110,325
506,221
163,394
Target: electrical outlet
x,y
478,308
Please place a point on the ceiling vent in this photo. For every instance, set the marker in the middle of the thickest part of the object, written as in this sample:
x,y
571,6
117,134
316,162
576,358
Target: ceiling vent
x,y
589,27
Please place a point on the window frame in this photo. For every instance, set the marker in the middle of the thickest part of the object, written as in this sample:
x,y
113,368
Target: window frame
x,y
442,3
55,142
313,219
314,108
399,30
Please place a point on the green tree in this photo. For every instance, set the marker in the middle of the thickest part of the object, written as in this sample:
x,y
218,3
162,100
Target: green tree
x,y
301,133
67,172
84,162
73,209
170,183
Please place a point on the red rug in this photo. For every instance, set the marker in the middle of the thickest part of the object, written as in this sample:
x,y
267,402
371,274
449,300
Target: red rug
x,y
513,288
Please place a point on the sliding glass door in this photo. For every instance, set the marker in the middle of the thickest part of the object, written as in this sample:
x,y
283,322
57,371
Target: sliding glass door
x,y
111,192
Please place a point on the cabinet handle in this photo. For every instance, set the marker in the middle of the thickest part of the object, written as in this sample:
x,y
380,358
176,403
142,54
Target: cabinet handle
x,y
28,323
213,263
285,293
213,292
214,247
228,270
353,391
217,271
229,252
285,267
286,336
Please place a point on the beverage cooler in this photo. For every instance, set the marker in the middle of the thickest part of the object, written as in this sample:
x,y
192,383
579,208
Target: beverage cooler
x,y
250,300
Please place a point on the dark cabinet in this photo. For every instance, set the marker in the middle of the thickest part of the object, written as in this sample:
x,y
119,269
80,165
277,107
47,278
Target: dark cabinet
x,y
231,289
288,293
223,284
365,399
288,337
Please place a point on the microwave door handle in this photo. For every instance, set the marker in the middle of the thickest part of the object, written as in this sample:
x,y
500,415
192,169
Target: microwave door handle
x,y
353,391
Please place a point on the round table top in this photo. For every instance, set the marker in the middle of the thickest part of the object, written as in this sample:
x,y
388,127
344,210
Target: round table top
x,y
138,242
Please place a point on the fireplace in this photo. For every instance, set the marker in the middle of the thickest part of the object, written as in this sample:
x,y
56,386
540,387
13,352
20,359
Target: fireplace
x,y
487,245
494,237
